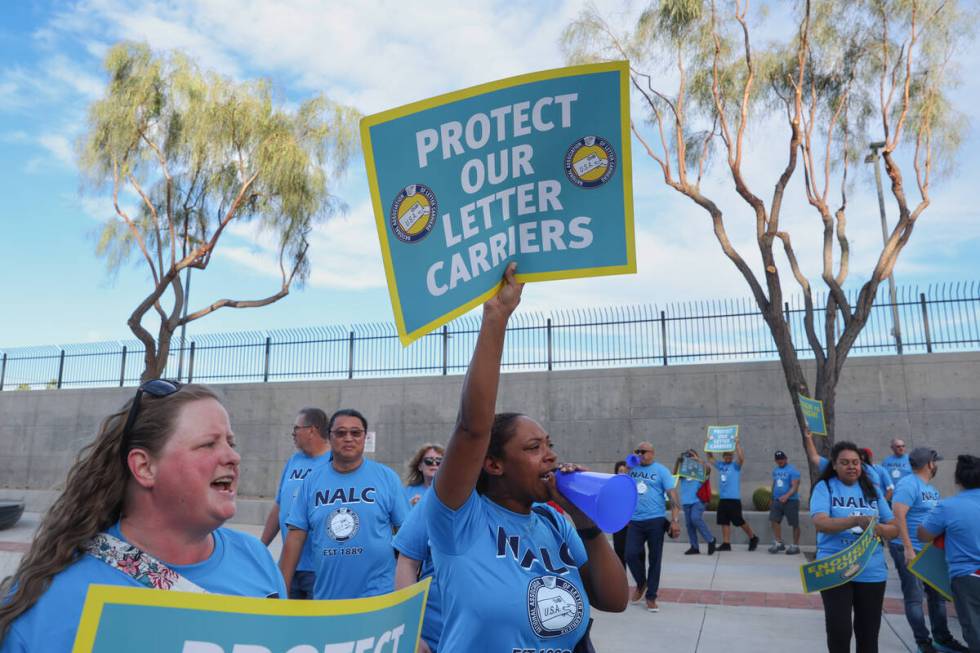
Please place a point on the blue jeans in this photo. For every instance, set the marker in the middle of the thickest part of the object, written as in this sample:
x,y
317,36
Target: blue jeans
x,y
302,585
912,590
694,520
651,533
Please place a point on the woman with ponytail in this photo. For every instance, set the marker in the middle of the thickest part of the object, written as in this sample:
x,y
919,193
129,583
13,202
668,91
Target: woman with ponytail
x,y
844,502
142,506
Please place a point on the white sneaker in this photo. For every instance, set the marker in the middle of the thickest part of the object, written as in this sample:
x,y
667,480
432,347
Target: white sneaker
x,y
776,547
792,549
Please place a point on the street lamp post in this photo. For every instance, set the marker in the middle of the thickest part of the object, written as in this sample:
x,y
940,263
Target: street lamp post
x,y
873,159
183,326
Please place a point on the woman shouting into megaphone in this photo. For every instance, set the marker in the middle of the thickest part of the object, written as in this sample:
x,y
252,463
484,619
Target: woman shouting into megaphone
x,y
492,540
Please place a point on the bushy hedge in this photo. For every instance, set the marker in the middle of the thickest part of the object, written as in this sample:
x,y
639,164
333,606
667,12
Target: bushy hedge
x,y
762,498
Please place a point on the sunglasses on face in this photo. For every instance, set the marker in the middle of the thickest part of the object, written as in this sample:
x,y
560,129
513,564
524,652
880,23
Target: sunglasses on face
x,y
640,452
343,433
432,461
155,388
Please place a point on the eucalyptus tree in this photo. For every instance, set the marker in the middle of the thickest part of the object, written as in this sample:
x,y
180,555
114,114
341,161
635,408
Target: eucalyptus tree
x,y
827,80
197,153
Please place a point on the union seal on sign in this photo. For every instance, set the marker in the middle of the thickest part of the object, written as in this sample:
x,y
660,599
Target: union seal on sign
x,y
413,213
590,162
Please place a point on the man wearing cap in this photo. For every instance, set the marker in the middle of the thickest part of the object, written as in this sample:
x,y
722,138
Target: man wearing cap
x,y
913,499
649,523
897,465
785,501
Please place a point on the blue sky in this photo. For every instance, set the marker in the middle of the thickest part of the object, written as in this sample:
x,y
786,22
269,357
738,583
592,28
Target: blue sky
x,y
55,291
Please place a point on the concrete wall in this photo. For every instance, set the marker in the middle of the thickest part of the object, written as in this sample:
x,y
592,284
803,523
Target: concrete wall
x,y
595,416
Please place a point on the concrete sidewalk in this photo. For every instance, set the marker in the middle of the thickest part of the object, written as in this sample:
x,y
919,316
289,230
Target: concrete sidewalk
x,y
731,602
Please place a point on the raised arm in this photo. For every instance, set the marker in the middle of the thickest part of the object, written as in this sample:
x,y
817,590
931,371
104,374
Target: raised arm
x,y
739,452
467,448
811,449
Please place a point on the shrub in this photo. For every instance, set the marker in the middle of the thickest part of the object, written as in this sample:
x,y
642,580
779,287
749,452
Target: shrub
x,y
713,504
761,498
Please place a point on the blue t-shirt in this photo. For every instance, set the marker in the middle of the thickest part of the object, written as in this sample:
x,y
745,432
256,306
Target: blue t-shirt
x,y
729,479
239,566
349,516
920,497
510,582
897,467
412,491
689,491
782,479
651,482
412,541
957,517
296,469
835,499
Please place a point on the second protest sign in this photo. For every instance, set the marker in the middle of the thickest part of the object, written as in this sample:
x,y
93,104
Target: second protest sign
x,y
533,169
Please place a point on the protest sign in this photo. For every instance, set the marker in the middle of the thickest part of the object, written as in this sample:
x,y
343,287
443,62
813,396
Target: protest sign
x,y
930,566
721,438
841,567
121,619
691,468
813,413
534,169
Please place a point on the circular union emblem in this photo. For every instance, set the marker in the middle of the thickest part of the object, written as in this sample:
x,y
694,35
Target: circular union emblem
x,y
590,162
343,524
413,213
554,606
641,487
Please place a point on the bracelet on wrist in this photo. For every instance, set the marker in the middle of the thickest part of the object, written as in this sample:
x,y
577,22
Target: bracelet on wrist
x,y
589,533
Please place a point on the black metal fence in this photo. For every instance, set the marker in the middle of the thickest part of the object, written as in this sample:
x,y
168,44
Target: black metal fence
x,y
942,318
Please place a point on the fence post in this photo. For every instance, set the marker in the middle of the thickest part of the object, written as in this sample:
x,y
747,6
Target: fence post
x,y
61,367
925,323
122,368
786,312
190,364
350,356
663,335
549,344
3,371
268,347
445,349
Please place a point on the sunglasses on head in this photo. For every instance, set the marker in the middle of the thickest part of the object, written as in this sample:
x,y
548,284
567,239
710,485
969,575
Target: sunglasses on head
x,y
155,388
432,461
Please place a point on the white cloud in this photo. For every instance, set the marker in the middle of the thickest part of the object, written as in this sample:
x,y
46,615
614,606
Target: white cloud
x,y
60,147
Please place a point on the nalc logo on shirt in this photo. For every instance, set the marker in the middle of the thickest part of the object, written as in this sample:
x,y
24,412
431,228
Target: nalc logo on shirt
x,y
343,524
641,487
413,213
590,162
554,606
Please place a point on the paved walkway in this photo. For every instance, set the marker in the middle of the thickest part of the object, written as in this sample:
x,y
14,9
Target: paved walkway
x,y
731,602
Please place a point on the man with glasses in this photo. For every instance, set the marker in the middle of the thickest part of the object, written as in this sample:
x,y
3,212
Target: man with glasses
x,y
310,438
897,465
348,508
649,523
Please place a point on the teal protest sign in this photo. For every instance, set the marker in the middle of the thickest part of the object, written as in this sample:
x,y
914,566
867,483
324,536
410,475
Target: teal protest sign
x,y
691,468
122,619
930,566
721,438
841,567
813,413
534,169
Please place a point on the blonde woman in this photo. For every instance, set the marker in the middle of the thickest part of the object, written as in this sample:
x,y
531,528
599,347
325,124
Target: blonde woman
x,y
150,493
422,468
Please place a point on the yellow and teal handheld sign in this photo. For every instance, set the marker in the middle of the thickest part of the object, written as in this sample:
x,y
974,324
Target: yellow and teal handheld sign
x,y
841,567
121,619
534,169
930,567
721,439
813,414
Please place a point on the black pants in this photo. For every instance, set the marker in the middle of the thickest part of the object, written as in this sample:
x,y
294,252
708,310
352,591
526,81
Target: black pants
x,y
649,532
619,546
864,600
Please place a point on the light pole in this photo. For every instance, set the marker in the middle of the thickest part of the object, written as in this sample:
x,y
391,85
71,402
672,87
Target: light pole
x,y
183,326
873,159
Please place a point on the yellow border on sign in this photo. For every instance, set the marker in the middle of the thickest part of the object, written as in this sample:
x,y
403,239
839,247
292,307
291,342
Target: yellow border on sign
x,y
920,576
367,122
874,547
101,595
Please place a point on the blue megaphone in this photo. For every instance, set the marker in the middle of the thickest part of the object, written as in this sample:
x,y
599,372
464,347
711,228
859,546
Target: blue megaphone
x,y
632,461
608,499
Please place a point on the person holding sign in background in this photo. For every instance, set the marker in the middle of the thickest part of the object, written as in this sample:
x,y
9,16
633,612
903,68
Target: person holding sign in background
x,y
156,485
843,503
513,575
693,504
785,502
956,518
730,496
349,508
649,523
914,498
